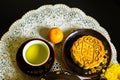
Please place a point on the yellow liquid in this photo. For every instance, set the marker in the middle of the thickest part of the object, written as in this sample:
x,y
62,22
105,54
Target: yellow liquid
x,y
37,53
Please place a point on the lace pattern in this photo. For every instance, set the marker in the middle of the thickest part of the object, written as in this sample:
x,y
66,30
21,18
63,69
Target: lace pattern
x,y
35,24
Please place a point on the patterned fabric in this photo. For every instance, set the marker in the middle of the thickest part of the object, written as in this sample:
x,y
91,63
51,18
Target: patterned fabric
x,y
35,24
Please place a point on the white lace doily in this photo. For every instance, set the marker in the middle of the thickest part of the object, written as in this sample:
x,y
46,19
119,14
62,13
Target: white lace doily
x,y
35,24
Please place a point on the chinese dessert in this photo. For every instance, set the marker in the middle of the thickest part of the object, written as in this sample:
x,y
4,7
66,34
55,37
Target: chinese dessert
x,y
88,52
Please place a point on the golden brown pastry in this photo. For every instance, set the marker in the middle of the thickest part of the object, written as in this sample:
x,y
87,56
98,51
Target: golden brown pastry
x,y
88,52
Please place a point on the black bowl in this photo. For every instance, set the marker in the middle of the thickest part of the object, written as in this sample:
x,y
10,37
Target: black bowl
x,y
69,63
60,75
35,70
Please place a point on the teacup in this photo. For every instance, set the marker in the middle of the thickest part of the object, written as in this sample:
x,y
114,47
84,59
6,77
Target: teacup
x,y
35,57
36,53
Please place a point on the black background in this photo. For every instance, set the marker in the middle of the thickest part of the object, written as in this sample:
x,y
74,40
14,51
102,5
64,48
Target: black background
x,y
106,12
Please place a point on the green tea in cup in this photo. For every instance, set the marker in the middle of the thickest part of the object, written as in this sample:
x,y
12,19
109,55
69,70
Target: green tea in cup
x,y
36,53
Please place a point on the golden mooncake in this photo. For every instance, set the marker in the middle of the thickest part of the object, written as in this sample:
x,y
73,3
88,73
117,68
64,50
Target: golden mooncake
x,y
88,52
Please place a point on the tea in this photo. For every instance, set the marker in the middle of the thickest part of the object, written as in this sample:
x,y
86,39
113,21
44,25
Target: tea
x,y
36,53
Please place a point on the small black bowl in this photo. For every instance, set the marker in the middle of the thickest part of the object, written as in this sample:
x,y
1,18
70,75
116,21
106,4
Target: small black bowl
x,y
70,64
35,70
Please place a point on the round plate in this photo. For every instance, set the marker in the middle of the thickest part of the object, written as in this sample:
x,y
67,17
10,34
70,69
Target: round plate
x,y
35,70
67,54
